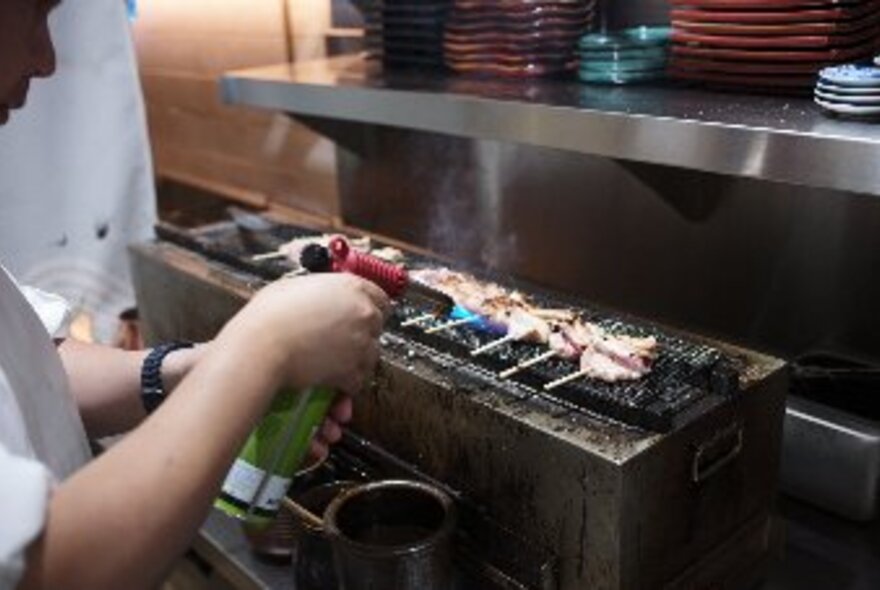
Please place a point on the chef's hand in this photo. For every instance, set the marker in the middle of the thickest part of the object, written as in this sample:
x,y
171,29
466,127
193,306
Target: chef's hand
x,y
322,329
331,431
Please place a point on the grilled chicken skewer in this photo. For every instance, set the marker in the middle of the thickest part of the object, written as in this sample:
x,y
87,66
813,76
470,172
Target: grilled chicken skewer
x,y
601,355
521,326
607,358
560,347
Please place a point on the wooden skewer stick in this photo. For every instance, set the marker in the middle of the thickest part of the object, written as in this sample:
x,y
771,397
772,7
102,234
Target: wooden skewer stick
x,y
493,345
268,256
450,325
295,273
526,364
417,320
566,380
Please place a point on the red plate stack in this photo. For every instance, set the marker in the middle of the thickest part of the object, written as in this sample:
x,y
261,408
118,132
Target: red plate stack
x,y
769,45
522,38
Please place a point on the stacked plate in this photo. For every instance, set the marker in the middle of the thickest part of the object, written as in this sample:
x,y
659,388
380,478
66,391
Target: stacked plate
x,y
522,38
624,57
769,44
850,90
406,32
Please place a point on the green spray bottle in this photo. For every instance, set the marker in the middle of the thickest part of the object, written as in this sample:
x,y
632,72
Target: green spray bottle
x,y
262,473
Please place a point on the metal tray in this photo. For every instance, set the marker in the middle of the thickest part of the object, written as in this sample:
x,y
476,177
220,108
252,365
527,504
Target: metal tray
x,y
831,443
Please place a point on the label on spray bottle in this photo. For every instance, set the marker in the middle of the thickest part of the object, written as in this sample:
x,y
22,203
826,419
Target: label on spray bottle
x,y
264,470
243,482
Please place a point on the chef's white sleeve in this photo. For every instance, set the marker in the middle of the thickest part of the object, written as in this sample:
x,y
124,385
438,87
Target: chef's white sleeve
x,y
25,489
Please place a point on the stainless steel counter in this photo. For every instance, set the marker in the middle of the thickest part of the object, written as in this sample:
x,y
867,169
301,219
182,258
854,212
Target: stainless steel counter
x,y
769,138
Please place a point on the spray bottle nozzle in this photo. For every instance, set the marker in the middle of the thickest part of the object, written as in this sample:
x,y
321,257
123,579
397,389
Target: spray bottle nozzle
x,y
316,258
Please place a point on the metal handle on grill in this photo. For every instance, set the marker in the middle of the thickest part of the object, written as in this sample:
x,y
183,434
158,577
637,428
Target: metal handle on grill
x,y
710,457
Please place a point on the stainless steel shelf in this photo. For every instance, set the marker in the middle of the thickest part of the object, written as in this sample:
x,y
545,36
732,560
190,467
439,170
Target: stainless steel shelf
x,y
770,138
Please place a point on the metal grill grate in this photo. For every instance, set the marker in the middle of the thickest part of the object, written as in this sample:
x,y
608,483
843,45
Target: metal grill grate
x,y
685,375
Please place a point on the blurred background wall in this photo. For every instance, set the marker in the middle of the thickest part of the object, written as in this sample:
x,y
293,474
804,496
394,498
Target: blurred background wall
x,y
244,155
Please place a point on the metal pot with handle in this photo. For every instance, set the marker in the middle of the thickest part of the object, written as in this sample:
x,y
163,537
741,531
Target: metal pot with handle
x,y
386,534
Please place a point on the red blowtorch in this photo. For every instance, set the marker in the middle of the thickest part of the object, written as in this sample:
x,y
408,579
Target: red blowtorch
x,y
391,278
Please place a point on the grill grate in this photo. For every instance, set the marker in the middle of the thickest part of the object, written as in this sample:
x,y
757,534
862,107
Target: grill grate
x,y
685,376
686,380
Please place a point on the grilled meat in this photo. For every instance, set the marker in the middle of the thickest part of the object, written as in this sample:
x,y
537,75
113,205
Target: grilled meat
x,y
602,355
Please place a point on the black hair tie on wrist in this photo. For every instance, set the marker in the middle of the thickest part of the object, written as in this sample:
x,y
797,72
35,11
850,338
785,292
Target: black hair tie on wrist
x,y
152,389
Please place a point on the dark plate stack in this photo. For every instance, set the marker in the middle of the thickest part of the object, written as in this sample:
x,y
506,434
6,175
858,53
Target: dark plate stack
x,y
518,38
406,33
769,45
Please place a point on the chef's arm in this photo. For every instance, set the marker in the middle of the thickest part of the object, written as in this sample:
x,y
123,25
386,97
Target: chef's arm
x,y
105,382
122,520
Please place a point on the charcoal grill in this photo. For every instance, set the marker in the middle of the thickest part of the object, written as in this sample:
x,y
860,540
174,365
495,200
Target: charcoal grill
x,y
667,481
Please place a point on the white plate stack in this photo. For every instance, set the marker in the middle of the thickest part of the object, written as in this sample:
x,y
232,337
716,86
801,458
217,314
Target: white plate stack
x,y
850,90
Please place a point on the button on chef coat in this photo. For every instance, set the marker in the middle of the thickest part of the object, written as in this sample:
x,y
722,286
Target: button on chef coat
x,y
42,440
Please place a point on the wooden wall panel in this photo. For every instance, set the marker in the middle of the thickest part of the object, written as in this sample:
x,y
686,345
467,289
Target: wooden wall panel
x,y
245,154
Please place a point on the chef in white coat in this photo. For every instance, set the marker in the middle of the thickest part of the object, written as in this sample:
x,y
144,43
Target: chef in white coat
x,y
67,232
120,520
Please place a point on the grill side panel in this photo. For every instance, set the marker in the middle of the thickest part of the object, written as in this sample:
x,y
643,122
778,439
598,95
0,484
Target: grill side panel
x,y
674,524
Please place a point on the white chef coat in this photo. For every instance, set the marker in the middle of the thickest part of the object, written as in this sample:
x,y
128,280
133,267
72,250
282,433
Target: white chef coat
x,y
76,178
42,439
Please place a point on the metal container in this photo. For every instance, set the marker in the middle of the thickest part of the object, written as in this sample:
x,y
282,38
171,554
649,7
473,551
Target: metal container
x,y
392,534
831,458
313,560
831,447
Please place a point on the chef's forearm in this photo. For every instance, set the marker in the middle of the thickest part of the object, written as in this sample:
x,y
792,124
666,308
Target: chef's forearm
x,y
105,382
137,506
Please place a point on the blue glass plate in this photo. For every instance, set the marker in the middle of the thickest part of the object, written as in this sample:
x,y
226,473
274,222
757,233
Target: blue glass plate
x,y
623,65
620,77
634,38
612,54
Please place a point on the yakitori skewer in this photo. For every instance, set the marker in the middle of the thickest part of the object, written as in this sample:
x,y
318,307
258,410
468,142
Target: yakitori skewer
x,y
295,273
418,320
494,344
522,326
452,324
268,256
566,380
602,355
528,363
